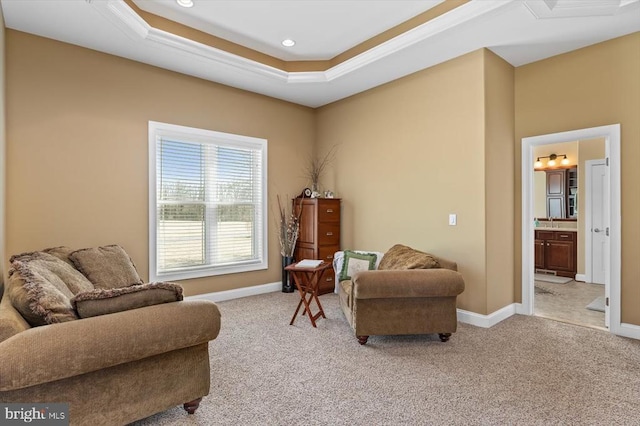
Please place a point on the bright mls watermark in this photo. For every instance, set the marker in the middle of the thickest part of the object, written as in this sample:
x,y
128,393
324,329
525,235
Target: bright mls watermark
x,y
54,414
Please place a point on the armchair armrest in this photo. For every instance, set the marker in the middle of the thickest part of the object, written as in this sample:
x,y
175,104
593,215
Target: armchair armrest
x,y
57,351
407,283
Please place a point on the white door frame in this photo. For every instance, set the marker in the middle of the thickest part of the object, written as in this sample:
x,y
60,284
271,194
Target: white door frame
x,y
611,135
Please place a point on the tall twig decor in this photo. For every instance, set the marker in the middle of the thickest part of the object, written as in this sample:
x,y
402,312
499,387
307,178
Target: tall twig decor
x,y
289,227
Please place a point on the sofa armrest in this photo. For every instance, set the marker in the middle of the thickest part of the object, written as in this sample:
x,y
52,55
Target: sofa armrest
x,y
53,352
407,283
447,264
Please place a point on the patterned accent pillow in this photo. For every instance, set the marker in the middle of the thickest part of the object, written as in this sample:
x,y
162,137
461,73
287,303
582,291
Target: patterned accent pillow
x,y
106,266
48,284
403,257
108,301
356,262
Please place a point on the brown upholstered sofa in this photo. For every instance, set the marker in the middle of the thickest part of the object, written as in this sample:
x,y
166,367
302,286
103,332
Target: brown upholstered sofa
x,y
403,300
110,368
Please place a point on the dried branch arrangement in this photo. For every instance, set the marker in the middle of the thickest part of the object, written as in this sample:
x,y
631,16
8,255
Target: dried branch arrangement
x,y
316,166
289,227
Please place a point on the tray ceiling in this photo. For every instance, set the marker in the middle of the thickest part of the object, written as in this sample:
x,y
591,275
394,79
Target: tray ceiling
x,y
520,31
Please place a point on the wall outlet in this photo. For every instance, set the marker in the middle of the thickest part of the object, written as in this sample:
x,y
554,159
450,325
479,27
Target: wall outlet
x,y
453,219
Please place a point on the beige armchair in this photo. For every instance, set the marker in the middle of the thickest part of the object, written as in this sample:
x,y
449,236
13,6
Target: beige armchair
x,y
401,301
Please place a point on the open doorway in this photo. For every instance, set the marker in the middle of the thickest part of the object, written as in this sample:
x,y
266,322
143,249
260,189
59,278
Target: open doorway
x,y
565,289
611,136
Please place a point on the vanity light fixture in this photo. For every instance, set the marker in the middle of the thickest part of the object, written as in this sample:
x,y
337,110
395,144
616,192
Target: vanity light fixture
x,y
287,42
185,3
552,160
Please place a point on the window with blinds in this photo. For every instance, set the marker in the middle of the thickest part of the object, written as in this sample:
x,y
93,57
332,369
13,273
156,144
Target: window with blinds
x,y
207,202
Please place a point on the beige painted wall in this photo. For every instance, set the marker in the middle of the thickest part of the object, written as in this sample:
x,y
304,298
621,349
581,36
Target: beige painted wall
x,y
498,162
2,148
77,158
539,194
410,152
594,86
413,151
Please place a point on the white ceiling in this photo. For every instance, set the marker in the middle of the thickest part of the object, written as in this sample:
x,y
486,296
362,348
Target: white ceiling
x,y
322,29
520,31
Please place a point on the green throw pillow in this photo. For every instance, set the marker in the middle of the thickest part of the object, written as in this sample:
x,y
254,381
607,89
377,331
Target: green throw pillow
x,y
356,262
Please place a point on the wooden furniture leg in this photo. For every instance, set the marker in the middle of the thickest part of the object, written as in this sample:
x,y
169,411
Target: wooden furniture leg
x,y
362,339
191,406
307,284
444,336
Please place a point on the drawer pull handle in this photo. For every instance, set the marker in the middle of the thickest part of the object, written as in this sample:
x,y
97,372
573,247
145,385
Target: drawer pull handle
x,y
329,210
329,234
329,279
329,257
564,236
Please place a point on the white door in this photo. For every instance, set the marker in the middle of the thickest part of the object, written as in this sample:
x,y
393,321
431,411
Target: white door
x,y
596,201
596,226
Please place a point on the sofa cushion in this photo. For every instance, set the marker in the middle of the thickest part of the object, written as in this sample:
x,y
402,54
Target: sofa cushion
x,y
48,286
346,287
108,301
403,257
356,262
11,321
106,267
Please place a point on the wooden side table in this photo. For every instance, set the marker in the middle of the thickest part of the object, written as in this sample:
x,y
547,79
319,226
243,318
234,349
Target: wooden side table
x,y
306,281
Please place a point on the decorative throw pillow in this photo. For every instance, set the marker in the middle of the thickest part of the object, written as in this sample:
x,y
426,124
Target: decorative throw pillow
x,y
106,267
403,257
48,284
108,301
61,252
356,262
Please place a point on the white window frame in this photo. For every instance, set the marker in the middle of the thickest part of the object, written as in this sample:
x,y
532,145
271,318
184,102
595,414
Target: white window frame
x,y
158,130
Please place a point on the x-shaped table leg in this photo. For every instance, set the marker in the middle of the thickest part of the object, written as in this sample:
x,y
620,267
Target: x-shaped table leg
x,y
310,287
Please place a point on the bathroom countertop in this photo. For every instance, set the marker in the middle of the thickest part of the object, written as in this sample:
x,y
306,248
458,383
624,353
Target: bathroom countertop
x,y
548,228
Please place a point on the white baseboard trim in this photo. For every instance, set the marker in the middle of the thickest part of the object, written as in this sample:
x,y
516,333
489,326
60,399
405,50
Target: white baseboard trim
x,y
581,277
487,321
237,293
520,310
631,331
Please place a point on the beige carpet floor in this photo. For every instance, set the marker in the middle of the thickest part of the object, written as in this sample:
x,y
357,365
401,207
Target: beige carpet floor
x,y
568,302
523,371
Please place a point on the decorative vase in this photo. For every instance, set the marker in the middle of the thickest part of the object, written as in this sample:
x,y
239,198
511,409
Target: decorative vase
x,y
287,282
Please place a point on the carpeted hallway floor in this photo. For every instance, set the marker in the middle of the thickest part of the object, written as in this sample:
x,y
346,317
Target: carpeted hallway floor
x,y
523,371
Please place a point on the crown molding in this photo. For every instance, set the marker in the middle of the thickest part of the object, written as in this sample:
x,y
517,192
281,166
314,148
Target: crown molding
x,y
125,18
438,25
553,9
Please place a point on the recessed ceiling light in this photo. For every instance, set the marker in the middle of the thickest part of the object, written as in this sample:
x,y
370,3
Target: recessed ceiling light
x,y
288,42
185,3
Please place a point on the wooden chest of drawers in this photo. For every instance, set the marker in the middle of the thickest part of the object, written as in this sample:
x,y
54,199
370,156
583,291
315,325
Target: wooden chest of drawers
x,y
319,236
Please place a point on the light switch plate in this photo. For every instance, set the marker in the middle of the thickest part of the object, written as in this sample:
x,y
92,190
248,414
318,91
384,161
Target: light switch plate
x,y
453,219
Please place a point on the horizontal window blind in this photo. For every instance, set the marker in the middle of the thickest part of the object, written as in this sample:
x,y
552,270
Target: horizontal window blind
x,y
209,203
